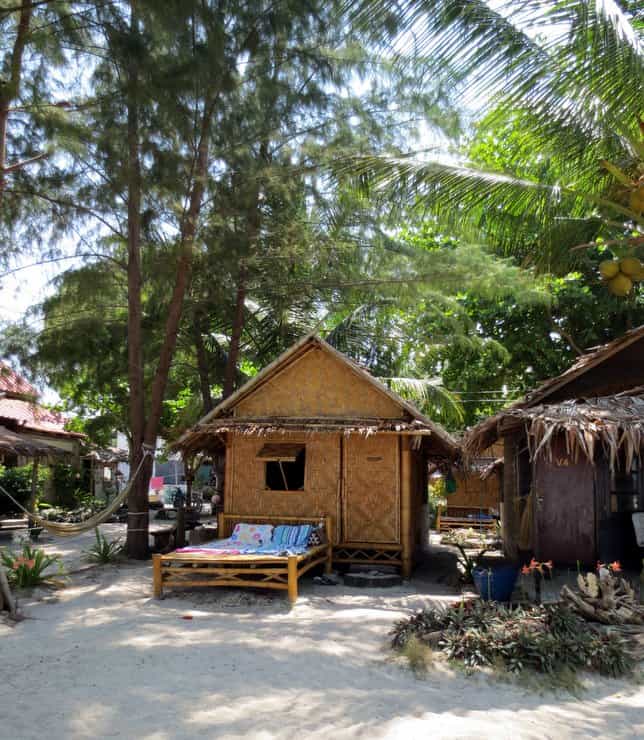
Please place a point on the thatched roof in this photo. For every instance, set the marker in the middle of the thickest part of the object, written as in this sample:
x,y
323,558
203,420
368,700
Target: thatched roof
x,y
484,434
206,434
612,424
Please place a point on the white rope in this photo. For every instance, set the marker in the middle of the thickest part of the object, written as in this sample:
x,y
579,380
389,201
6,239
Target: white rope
x,y
69,529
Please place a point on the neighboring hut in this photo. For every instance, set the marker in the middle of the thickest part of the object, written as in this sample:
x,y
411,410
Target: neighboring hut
x,y
104,473
314,434
41,432
478,484
475,495
573,458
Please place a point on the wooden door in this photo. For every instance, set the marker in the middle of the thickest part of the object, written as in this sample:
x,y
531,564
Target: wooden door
x,y
371,495
565,510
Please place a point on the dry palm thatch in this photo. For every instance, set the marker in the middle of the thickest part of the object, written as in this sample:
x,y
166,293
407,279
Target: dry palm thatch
x,y
206,435
612,424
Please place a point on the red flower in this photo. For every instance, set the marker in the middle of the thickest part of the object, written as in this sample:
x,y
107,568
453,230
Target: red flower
x,y
616,567
525,570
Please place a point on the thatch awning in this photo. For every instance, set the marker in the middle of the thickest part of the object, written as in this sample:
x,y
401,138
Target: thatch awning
x,y
612,424
21,444
209,436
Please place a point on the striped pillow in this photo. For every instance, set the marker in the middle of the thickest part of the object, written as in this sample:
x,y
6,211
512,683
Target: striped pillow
x,y
292,535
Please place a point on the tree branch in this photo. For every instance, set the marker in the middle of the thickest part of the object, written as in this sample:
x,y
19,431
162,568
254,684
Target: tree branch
x,y
24,163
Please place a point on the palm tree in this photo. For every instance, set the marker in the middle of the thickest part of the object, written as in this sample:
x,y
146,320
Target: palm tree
x,y
562,82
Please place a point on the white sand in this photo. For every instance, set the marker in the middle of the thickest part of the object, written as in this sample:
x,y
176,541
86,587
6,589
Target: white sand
x,y
102,659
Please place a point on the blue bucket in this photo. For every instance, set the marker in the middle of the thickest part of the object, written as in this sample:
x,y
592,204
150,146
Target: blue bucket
x,y
496,583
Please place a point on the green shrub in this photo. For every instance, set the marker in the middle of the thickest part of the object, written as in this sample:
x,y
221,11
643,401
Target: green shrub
x,y
18,482
71,486
104,551
548,639
27,569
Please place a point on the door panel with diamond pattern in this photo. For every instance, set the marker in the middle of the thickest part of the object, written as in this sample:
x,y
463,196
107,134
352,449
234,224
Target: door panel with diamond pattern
x,y
371,496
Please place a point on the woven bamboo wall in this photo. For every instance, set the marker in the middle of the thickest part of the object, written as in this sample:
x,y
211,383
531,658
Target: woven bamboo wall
x,y
245,478
318,385
372,489
471,491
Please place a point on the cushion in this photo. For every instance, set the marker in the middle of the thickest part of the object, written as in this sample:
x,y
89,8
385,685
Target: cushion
x,y
294,535
251,534
317,537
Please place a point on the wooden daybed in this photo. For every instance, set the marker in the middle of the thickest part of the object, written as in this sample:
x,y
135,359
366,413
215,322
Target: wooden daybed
x,y
197,570
465,517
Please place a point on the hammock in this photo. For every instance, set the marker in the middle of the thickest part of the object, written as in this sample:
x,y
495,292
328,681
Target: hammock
x,y
69,529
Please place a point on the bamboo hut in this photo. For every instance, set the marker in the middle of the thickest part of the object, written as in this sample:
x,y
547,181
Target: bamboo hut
x,y
314,434
573,459
475,499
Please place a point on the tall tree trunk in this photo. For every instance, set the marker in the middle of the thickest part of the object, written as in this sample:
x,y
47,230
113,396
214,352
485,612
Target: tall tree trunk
x,y
235,334
137,540
184,270
202,369
239,317
11,89
137,537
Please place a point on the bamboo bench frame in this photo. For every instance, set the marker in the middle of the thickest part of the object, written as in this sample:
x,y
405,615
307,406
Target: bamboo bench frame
x,y
197,570
449,518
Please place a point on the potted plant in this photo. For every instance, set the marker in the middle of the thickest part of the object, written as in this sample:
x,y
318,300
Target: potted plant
x,y
472,548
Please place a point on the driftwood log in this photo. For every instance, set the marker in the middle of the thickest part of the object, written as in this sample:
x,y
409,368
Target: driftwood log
x,y
605,599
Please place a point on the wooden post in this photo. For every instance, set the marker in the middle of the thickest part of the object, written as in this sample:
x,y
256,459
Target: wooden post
x,y
34,492
328,566
180,533
328,526
292,579
189,472
510,495
157,581
220,526
405,507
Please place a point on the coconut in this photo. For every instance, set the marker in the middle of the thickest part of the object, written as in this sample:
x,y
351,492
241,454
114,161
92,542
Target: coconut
x,y
608,269
638,277
630,265
636,200
621,285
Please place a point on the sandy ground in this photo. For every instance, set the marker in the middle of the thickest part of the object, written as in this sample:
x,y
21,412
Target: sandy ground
x,y
101,659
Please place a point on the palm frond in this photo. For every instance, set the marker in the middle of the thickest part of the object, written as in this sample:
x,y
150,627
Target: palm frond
x,y
431,397
512,210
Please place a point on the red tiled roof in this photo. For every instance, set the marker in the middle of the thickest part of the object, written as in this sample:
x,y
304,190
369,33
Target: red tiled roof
x,y
30,415
14,384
